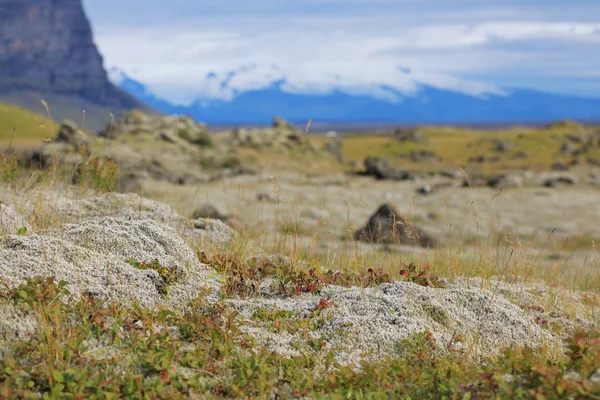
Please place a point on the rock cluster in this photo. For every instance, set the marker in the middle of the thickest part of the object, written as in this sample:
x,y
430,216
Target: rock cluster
x,y
281,136
145,148
170,129
413,135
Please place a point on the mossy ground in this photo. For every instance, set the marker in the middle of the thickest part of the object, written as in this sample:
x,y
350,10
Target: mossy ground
x,y
87,349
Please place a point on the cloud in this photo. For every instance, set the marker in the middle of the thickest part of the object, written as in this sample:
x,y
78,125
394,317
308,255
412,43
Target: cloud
x,y
355,45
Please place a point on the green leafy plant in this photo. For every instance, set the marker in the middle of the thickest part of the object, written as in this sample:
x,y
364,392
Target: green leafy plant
x,y
169,275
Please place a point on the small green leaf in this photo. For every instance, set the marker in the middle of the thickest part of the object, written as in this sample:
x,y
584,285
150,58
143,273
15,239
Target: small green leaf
x,y
22,231
58,376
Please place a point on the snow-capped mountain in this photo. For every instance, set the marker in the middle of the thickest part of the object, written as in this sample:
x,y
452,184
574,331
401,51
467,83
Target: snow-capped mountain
x,y
253,95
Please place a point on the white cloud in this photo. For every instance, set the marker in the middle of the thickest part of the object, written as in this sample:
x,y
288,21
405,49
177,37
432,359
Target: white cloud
x,y
358,48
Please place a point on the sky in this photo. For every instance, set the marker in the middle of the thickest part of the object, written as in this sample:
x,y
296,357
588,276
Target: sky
x,y
185,49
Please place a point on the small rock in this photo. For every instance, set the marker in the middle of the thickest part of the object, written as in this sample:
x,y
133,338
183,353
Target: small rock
x,y
266,197
429,189
207,210
477,159
424,155
505,182
452,173
558,166
566,149
425,189
188,179
519,155
480,159
501,146
556,181
408,135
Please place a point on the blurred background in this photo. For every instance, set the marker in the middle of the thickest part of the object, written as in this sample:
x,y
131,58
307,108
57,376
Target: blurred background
x,y
476,121
339,63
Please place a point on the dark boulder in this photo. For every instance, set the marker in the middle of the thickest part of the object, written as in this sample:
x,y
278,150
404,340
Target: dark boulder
x,y
386,225
429,189
557,181
501,146
378,168
375,166
209,211
503,181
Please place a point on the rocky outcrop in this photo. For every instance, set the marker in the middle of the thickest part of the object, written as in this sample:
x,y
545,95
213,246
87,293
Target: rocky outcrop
x,y
171,129
282,136
47,49
408,135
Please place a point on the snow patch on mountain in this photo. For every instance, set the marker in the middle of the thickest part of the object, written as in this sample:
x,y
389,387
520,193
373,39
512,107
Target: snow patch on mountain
x,y
391,86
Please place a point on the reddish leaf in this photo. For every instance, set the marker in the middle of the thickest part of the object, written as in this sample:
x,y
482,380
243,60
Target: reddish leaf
x,y
324,303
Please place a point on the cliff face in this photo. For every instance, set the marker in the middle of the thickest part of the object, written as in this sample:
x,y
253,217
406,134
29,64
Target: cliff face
x,y
46,48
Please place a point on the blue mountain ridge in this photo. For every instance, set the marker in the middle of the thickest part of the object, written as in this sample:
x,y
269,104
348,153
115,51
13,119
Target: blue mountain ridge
x,y
428,105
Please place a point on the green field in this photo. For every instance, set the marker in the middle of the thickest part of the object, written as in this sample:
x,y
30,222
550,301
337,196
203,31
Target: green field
x,y
455,146
21,128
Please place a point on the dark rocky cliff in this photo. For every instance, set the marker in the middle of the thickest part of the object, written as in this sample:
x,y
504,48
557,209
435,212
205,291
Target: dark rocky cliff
x,y
47,51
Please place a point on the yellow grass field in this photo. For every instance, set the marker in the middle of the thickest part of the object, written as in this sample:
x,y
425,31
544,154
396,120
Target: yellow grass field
x,y
22,128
